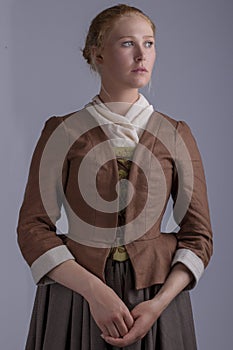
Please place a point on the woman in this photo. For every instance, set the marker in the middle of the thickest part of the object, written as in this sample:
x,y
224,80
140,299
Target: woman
x,y
115,281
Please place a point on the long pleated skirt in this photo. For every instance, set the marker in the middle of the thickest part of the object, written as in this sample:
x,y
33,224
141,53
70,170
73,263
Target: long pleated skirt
x,y
61,319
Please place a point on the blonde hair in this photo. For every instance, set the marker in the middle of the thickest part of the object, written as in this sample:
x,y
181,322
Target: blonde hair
x,y
101,26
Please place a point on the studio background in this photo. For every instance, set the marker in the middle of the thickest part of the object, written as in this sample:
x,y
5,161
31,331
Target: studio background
x,y
42,73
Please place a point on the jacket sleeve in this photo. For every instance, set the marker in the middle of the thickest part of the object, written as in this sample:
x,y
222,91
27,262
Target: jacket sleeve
x,y
41,247
190,206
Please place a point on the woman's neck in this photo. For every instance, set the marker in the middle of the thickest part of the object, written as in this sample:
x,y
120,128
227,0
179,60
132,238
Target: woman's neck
x,y
119,102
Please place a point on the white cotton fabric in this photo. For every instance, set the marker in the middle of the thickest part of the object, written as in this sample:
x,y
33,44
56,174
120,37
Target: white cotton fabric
x,y
123,130
191,261
47,261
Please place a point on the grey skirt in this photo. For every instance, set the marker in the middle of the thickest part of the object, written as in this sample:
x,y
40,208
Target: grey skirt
x,y
61,319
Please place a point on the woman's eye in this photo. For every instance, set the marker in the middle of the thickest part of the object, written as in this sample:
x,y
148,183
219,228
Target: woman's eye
x,y
149,43
131,43
127,43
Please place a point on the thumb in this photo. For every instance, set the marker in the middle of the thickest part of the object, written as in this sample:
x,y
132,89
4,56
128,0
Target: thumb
x,y
135,312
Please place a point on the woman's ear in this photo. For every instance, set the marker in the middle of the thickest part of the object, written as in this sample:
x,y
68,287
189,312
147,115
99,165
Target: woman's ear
x,y
96,55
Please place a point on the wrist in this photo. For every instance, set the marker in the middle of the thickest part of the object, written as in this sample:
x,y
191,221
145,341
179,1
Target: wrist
x,y
161,300
92,284
177,280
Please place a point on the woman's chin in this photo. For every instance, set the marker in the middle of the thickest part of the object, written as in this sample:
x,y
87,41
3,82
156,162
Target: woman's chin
x,y
139,83
139,86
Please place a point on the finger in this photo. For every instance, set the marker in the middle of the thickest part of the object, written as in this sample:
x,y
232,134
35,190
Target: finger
x,y
124,324
104,330
112,330
135,313
119,342
129,320
135,334
122,327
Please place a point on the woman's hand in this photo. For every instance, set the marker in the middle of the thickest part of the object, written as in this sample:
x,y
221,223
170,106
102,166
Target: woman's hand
x,y
109,312
147,312
145,315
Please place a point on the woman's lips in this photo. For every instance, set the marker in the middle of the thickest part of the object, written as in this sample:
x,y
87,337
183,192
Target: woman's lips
x,y
140,70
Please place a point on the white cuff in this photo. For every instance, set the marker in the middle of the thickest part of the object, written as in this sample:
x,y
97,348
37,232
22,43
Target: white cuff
x,y
47,261
192,262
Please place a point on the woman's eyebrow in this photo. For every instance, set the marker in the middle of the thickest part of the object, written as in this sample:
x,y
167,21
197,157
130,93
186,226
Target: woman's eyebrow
x,y
132,36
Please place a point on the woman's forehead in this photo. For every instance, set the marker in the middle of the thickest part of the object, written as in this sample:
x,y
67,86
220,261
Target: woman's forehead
x,y
130,26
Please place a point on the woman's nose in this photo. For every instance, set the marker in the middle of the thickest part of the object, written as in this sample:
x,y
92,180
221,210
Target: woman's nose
x,y
139,54
140,58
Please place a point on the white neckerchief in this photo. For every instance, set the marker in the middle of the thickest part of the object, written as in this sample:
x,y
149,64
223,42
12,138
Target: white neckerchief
x,y
122,130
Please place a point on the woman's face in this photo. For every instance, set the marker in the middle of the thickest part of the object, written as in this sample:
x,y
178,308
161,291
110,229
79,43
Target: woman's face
x,y
128,56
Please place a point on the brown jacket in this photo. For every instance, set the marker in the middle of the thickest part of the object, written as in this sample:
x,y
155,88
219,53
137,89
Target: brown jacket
x,y
171,149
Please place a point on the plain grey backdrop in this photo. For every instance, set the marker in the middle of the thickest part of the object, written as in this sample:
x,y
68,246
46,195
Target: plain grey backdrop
x,y
42,73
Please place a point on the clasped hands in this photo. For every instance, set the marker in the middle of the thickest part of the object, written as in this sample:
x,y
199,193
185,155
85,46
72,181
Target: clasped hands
x,y
121,327
143,316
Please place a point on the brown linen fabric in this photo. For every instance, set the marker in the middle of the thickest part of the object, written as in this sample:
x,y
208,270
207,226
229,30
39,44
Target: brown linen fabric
x,y
37,233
